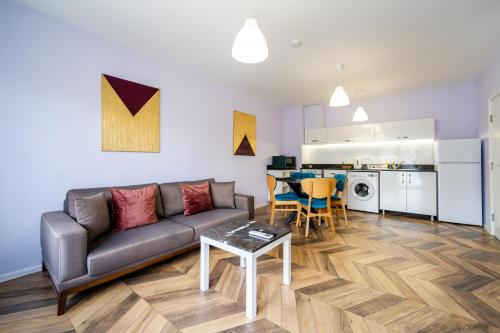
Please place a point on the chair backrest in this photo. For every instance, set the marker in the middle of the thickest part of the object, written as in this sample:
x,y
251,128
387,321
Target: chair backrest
x,y
271,185
341,181
318,188
302,175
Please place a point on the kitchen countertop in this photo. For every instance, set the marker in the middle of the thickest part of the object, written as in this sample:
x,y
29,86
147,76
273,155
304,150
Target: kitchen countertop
x,y
390,170
406,167
328,166
270,167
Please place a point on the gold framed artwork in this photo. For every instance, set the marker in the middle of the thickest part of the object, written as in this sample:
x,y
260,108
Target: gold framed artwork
x,y
130,116
244,133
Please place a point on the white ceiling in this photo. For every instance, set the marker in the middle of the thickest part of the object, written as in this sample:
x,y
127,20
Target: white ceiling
x,y
387,46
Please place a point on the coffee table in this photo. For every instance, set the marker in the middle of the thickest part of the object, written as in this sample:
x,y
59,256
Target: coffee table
x,y
233,237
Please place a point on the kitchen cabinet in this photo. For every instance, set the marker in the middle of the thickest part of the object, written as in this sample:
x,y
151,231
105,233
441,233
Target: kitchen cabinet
x,y
315,136
421,194
354,133
404,130
389,131
409,192
393,191
314,116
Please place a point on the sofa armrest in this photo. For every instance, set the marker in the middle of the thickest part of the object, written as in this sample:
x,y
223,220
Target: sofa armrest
x,y
64,246
245,202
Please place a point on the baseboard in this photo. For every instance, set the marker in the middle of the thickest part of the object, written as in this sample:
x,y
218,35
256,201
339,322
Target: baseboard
x,y
261,206
20,272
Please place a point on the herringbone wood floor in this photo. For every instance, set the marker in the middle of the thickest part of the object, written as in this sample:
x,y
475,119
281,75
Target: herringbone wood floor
x,y
379,274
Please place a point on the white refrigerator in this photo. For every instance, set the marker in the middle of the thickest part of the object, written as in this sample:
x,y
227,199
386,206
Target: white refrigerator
x,y
459,181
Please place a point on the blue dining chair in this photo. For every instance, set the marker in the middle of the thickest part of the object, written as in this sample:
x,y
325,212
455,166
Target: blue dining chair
x,y
319,191
339,198
284,202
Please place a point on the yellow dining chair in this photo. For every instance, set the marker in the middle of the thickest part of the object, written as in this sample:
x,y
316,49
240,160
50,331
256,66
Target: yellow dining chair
x,y
286,202
319,191
339,198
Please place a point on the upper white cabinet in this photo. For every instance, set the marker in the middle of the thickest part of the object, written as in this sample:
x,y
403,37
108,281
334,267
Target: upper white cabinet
x,y
354,133
316,133
404,130
314,116
314,124
315,136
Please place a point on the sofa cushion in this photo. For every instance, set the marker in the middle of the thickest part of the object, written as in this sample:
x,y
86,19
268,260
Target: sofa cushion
x,y
222,194
71,195
115,250
210,219
196,198
92,213
171,196
133,208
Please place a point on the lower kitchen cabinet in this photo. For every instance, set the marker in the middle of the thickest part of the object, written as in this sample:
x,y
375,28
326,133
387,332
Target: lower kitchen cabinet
x,y
421,193
393,191
409,192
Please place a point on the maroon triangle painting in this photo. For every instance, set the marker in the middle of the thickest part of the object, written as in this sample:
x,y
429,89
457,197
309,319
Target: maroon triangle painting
x,y
245,148
133,95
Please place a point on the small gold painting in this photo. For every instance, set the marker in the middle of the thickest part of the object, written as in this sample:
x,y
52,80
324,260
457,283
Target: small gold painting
x,y
244,134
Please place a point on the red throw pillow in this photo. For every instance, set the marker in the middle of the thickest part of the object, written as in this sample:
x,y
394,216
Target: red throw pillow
x,y
196,198
133,208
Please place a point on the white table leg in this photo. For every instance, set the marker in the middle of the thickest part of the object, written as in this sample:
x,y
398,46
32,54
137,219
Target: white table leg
x,y
287,262
205,266
242,262
251,288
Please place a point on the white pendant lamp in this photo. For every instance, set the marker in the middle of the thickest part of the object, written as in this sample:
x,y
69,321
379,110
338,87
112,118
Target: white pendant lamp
x,y
360,114
250,45
339,96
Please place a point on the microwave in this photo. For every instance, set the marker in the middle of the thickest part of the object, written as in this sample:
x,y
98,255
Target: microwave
x,y
283,162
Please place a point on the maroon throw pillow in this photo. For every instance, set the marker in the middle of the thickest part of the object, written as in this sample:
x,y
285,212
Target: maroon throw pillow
x,y
196,198
133,208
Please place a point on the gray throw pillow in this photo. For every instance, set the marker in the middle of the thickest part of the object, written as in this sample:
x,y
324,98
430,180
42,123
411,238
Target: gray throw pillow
x,y
222,194
92,213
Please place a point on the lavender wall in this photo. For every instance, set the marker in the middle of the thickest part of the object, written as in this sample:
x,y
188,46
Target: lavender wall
x,y
50,126
453,107
293,131
487,85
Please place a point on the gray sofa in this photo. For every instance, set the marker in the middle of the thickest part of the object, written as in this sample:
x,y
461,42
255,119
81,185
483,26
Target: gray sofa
x,y
74,264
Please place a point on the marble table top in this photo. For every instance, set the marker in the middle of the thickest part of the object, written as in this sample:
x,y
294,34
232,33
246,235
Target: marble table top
x,y
236,234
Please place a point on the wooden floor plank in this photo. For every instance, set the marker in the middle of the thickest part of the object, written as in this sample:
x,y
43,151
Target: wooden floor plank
x,y
387,273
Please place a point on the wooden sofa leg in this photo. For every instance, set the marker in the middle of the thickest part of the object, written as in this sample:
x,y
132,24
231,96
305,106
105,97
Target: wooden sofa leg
x,y
61,304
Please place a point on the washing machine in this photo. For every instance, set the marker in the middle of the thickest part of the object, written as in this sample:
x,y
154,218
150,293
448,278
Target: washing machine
x,y
363,191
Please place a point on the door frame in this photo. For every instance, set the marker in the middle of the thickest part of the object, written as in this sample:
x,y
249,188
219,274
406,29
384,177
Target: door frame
x,y
490,160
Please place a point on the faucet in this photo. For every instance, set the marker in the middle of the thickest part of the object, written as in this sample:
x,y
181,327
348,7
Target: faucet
x,y
394,165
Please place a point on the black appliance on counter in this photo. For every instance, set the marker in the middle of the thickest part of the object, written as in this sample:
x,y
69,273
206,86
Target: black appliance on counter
x,y
283,162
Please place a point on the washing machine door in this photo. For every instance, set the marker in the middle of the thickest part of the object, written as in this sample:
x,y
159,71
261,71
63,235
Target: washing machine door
x,y
362,189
